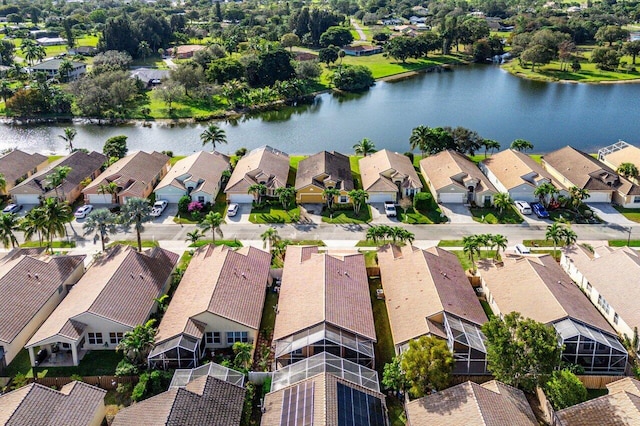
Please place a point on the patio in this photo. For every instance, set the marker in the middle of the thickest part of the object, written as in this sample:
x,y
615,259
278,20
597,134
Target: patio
x,y
63,358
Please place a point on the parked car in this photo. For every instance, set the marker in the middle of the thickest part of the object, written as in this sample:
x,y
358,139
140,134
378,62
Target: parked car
x,y
523,207
83,211
540,211
390,209
522,249
41,356
232,210
158,207
12,208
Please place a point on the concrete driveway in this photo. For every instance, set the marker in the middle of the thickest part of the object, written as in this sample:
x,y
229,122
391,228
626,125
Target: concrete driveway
x,y
167,215
607,213
457,213
532,219
244,210
379,217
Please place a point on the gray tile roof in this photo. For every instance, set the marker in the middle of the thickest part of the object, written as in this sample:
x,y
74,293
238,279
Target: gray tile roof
x,y
331,166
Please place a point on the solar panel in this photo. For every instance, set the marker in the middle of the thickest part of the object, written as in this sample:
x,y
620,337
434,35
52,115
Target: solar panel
x,y
297,405
356,408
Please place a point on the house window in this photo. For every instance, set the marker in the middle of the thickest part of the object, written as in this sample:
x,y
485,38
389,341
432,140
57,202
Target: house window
x,y
237,336
344,199
201,199
212,337
59,289
95,338
603,304
636,199
487,199
115,338
589,289
615,318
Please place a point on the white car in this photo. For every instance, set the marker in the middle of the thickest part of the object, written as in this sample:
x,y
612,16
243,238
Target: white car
x,y
523,207
522,249
83,211
12,208
390,209
158,207
232,210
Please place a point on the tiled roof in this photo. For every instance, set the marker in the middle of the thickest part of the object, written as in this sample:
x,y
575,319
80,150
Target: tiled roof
x,y
509,166
204,401
538,288
331,166
26,284
54,64
470,404
76,404
620,407
16,164
227,283
204,168
452,168
132,173
120,286
319,288
397,165
82,166
585,172
629,154
263,164
421,283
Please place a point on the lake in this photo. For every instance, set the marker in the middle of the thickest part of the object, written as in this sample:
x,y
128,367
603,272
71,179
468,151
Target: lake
x,y
482,98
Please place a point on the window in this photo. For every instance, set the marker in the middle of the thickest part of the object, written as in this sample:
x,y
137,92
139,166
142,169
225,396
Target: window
x,y
115,338
201,199
636,199
603,304
59,289
487,199
95,338
237,336
212,337
589,289
615,318
344,199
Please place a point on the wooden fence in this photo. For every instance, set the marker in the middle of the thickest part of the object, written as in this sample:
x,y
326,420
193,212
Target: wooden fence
x,y
103,382
373,271
589,382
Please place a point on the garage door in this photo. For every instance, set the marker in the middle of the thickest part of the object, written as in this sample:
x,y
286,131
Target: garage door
x,y
241,198
380,198
100,198
455,197
27,199
170,198
523,196
599,197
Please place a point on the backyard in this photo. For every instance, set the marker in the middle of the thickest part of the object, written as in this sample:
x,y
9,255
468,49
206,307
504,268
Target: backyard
x,y
94,363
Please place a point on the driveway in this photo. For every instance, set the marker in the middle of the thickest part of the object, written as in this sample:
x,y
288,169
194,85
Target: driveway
x,y
379,217
244,210
457,213
607,213
311,213
532,219
167,215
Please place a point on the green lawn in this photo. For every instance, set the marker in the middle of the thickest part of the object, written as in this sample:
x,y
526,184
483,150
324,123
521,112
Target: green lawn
x,y
274,214
230,243
464,259
416,217
562,214
631,214
268,320
53,158
487,308
370,258
538,243
381,66
384,348
397,416
54,244
20,364
94,363
134,243
451,243
347,216
623,243
493,216
355,171
175,159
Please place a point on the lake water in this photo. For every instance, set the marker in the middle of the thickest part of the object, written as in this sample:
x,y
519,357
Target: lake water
x,y
482,98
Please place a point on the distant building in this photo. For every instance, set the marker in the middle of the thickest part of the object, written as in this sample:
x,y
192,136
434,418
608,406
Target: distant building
x,y
51,68
149,77
362,50
186,51
51,41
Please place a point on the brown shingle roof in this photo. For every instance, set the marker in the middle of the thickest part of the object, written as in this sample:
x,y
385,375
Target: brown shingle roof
x,y
452,168
421,283
538,288
263,164
16,164
470,404
379,169
629,154
132,173
82,166
76,404
204,167
22,295
120,286
227,283
509,166
320,288
331,166
204,401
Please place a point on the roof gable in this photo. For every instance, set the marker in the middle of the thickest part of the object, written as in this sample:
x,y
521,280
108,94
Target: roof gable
x,y
267,164
378,170
325,166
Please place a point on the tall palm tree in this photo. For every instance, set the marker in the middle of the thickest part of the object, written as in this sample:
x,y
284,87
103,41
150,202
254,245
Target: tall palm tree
x,y
102,222
109,188
358,198
470,248
500,243
57,214
628,170
490,144
137,343
212,221
502,200
330,194
213,135
258,190
285,195
68,136
57,177
420,138
9,223
364,147
577,195
543,190
521,145
373,233
569,237
34,223
554,233
65,69
407,236
32,51
270,237
136,211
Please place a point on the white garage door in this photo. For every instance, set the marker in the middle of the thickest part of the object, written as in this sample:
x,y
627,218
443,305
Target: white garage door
x,y
380,198
599,197
523,196
100,198
27,199
454,197
173,198
241,198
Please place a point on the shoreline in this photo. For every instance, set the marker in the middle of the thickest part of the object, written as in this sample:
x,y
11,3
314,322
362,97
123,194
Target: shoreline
x,y
550,80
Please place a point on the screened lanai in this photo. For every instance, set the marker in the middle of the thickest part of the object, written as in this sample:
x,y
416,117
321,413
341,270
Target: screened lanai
x,y
182,377
466,341
180,352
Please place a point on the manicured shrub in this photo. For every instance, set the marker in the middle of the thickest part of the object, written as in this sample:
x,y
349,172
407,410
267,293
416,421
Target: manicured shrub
x,y
423,201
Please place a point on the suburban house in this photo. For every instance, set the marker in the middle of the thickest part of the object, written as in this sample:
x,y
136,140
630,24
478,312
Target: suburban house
x,y
150,77
388,176
618,153
621,406
453,178
609,278
518,174
198,176
31,286
491,404
361,50
219,302
325,390
51,67
16,166
76,403
51,41
324,170
186,51
447,306
204,400
36,188
134,175
324,306
115,294
576,168
538,288
265,166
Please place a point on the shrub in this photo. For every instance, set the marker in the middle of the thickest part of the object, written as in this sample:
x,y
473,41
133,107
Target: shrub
x,y
183,204
423,201
125,368
564,389
194,206
168,153
76,377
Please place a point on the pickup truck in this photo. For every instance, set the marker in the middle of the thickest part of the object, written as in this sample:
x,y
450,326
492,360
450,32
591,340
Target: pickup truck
x,y
390,209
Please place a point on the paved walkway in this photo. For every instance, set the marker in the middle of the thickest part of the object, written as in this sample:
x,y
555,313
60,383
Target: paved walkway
x,y
358,29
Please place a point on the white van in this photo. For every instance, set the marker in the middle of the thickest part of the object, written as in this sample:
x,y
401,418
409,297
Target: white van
x,y
522,249
523,207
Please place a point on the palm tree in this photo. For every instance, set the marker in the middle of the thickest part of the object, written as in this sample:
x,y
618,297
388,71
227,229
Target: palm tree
x,y
8,224
32,51
500,243
102,222
490,144
521,145
554,233
109,188
57,214
358,198
543,190
212,221
243,354
470,248
373,233
136,211
65,68
628,170
407,236
396,233
569,237
69,135
56,178
137,343
194,237
329,194
213,135
34,223
502,200
364,147
5,90
3,183
577,195
258,190
420,138
286,195
270,237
